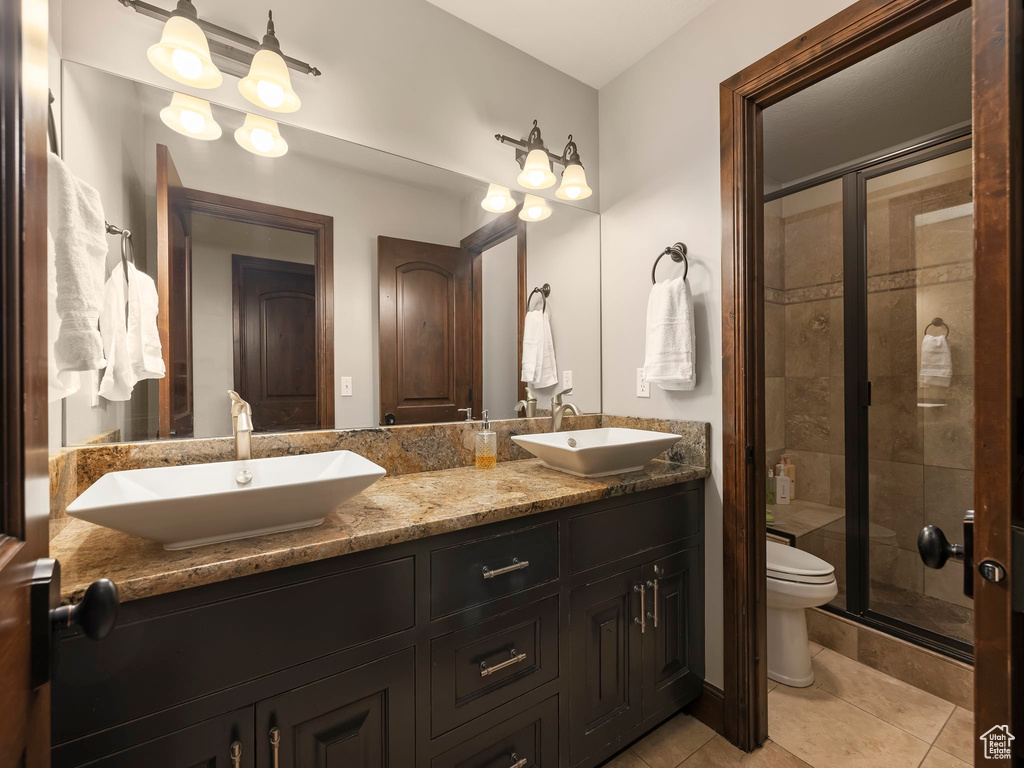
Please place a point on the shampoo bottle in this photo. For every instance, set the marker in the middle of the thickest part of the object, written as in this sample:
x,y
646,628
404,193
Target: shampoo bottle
x,y
790,471
782,490
486,446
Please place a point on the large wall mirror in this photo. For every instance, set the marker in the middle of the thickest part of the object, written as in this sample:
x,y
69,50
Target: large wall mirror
x,y
332,286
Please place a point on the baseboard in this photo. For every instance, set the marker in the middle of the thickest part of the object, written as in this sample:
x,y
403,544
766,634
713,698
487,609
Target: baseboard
x,y
709,708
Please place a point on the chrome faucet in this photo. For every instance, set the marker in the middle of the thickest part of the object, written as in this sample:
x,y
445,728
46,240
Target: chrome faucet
x,y
558,409
241,426
527,407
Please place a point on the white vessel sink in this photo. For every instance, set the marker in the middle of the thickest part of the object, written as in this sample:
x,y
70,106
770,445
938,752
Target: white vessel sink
x,y
597,452
189,506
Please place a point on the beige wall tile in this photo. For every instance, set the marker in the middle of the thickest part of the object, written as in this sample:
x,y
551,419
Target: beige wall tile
x,y
878,236
948,494
948,434
896,499
774,266
947,583
954,303
837,352
832,632
929,671
775,413
774,339
808,338
806,249
835,242
812,471
898,567
836,416
895,423
807,413
837,481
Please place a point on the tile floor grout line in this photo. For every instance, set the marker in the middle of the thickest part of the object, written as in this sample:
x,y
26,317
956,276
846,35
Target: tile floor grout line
x,y
944,726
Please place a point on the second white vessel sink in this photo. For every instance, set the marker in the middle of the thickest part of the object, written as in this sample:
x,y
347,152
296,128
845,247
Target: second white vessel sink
x,y
597,452
189,506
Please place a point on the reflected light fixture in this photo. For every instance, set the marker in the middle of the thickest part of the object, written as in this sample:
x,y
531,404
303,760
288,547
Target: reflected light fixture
x,y
268,84
261,136
183,53
535,160
574,178
190,117
535,209
498,200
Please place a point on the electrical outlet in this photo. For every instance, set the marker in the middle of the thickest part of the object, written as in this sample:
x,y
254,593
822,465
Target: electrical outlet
x,y
346,386
566,379
643,387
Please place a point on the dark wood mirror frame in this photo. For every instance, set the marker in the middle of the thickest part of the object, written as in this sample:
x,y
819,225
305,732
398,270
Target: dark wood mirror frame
x,y
855,33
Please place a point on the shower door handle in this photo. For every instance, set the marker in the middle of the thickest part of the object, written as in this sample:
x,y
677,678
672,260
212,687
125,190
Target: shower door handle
x,y
935,550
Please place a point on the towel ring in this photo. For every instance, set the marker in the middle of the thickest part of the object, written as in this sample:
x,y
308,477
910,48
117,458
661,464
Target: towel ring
x,y
544,291
937,321
678,253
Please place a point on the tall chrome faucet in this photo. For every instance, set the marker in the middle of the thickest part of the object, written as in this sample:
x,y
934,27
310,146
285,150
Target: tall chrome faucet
x,y
558,409
241,425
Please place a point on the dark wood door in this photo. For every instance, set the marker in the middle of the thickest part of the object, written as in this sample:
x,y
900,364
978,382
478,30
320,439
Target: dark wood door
x,y
673,651
275,341
426,331
605,655
174,315
214,743
362,718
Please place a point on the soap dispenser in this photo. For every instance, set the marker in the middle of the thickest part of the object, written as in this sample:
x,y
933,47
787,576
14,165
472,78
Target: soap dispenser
x,y
486,446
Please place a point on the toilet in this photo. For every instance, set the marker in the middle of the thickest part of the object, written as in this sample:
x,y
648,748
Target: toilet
x,y
796,580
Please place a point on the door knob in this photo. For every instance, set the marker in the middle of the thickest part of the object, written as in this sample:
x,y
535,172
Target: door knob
x,y
935,548
96,614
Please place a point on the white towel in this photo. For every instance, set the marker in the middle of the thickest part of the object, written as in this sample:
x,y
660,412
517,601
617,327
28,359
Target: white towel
x,y
132,349
61,383
936,361
539,368
76,224
670,356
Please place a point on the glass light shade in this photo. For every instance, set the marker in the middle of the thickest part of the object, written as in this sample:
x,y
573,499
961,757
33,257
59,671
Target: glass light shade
x,y
498,200
183,54
535,209
268,83
537,171
261,136
190,117
574,184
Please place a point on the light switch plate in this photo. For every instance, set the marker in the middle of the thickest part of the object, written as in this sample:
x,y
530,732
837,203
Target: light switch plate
x,y
643,387
346,386
566,379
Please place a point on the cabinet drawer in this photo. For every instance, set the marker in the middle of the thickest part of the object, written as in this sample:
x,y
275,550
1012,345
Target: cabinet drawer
x,y
612,534
476,669
528,740
479,571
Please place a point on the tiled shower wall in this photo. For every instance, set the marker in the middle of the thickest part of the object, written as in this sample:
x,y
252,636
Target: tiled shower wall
x,y
920,266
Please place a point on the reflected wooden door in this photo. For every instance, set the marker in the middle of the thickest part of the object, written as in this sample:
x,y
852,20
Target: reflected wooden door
x,y
274,305
426,331
174,317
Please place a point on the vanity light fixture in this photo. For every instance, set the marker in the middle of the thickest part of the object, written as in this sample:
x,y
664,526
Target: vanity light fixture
x,y
535,160
190,116
261,136
183,53
535,209
268,84
498,200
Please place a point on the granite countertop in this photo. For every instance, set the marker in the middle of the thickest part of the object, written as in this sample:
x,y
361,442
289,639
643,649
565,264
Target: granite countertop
x,y
395,509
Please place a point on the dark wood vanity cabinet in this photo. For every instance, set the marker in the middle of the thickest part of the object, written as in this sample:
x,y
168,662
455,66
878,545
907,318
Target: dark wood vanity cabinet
x,y
550,640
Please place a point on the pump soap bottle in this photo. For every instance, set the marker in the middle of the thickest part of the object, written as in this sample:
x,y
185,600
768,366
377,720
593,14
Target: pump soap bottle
x,y
486,446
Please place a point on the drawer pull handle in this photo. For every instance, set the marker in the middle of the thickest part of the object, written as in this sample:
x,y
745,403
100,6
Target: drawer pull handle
x,y
518,762
514,657
236,754
517,565
654,615
275,743
642,618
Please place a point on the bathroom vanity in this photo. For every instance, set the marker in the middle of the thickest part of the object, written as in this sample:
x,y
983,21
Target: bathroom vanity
x,y
511,618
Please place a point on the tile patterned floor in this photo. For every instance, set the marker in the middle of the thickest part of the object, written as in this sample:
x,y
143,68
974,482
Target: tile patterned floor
x,y
852,716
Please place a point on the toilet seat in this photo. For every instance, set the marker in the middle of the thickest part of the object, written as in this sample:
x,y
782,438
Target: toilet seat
x,y
794,565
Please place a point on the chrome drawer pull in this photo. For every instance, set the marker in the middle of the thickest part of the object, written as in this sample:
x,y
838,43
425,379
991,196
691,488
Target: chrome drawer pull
x,y
236,754
517,565
514,657
275,743
518,763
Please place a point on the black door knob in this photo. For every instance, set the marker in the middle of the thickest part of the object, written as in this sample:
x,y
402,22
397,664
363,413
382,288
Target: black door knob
x,y
935,549
96,614
389,419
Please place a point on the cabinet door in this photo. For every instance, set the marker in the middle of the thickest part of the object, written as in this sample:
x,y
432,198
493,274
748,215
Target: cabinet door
x,y
362,718
673,642
222,742
605,655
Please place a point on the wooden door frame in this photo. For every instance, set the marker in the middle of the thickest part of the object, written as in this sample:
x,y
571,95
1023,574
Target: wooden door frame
x,y
24,483
853,34
489,235
321,227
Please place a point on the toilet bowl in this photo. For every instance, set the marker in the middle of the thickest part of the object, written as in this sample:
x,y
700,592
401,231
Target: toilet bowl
x,y
796,580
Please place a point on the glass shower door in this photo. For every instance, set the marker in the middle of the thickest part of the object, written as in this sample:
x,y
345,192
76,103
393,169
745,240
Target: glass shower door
x,y
919,356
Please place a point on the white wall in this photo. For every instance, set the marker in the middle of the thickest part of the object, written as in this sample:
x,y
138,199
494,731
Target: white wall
x,y
399,75
659,127
214,241
500,268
